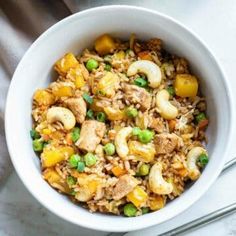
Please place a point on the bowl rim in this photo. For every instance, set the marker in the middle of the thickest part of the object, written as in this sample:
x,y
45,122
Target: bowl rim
x,y
107,227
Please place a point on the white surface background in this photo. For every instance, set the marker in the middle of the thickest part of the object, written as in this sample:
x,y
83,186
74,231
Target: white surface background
x,y
215,23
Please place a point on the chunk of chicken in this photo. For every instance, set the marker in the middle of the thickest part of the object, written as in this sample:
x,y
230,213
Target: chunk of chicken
x,y
156,124
125,185
92,132
167,143
78,108
137,95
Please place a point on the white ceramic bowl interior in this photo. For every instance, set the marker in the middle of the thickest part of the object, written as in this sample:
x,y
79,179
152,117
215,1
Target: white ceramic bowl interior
x,y
76,33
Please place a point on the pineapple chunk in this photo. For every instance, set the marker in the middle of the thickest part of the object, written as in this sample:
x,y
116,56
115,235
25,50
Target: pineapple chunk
x,y
51,157
119,55
186,85
62,91
63,65
114,114
142,152
76,75
105,44
156,203
108,84
55,180
138,196
43,97
88,186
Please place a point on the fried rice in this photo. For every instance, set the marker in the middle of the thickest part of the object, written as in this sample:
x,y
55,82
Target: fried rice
x,y
105,141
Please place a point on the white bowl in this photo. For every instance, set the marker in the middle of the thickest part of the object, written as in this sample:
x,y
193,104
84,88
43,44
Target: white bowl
x,y
76,33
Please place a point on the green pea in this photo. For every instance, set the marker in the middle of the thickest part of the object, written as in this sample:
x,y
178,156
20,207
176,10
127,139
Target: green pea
x,y
145,210
144,169
101,116
109,149
136,131
71,180
80,166
34,134
88,98
107,67
38,145
90,159
201,116
89,114
75,134
131,112
130,210
145,136
171,90
91,64
203,159
141,82
74,159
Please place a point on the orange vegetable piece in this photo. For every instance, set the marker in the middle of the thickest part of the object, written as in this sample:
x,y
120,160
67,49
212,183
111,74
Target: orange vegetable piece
x,y
69,139
203,124
118,171
145,55
172,124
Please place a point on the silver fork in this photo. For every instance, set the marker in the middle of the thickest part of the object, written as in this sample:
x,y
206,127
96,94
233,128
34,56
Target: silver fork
x,y
213,216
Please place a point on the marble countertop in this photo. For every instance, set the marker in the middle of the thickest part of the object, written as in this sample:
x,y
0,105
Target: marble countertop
x,y
215,22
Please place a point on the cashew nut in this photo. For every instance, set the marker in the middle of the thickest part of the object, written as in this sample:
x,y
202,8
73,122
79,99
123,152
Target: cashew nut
x,y
193,154
166,109
64,115
121,141
156,182
149,68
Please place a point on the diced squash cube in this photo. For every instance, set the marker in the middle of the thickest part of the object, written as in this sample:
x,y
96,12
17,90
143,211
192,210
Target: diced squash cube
x,y
51,157
108,84
156,203
118,171
114,114
138,196
105,44
186,85
43,97
62,91
142,152
63,65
